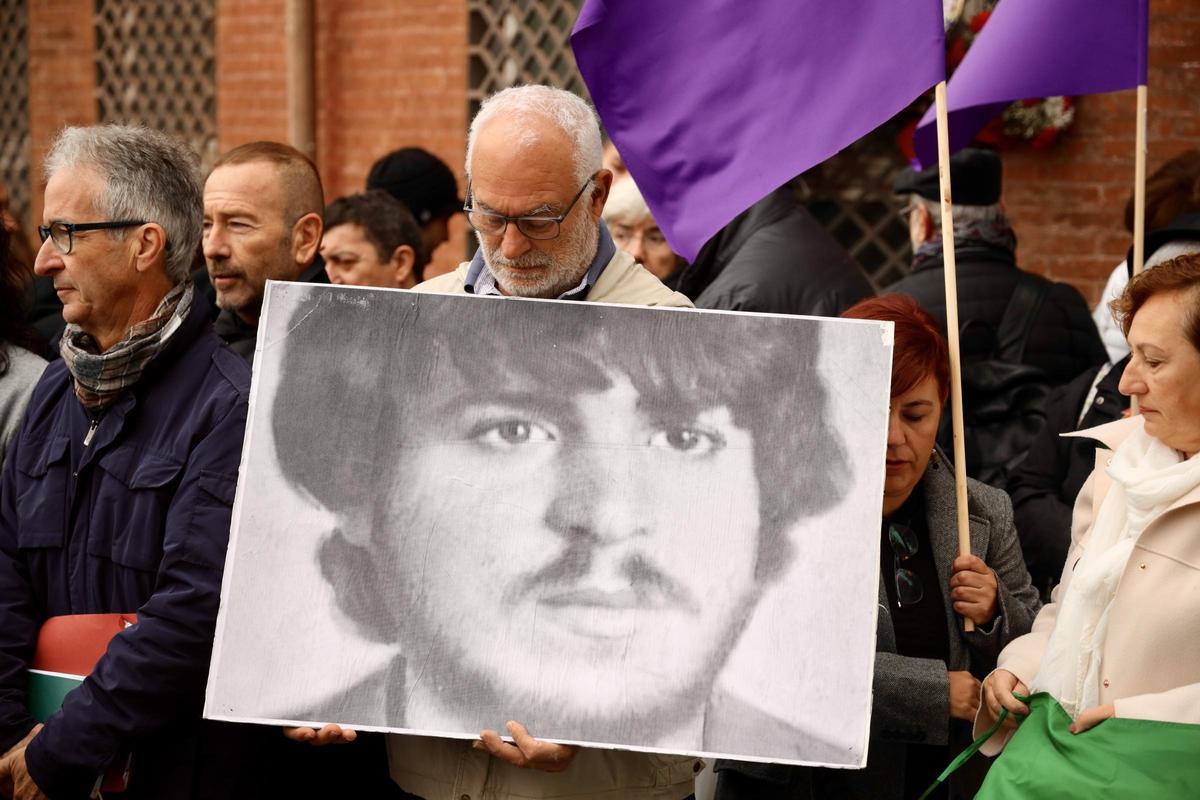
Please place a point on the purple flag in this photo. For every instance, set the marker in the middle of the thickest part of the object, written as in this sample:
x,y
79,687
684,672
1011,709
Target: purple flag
x,y
1040,48
715,103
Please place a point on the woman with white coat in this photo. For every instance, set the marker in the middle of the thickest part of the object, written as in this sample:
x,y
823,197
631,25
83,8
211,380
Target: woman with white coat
x,y
1122,635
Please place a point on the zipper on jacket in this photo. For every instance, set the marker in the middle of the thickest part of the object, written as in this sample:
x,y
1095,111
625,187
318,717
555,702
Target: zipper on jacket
x,y
87,440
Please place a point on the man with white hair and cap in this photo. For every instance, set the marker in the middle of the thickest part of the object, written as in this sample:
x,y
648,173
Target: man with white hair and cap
x,y
536,191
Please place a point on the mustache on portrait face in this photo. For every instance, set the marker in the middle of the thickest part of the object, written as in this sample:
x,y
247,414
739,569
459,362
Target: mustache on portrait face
x,y
564,582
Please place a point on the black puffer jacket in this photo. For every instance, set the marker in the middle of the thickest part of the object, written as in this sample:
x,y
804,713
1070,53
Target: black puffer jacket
x,y
1063,341
1044,487
775,257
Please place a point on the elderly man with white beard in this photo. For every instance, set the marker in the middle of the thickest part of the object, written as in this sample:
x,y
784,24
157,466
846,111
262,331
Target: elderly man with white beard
x,y
536,189
534,196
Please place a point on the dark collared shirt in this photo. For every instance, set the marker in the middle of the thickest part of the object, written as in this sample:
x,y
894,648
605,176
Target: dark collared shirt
x,y
480,279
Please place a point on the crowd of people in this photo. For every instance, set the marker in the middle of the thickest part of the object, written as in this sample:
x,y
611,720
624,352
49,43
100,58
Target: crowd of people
x,y
123,403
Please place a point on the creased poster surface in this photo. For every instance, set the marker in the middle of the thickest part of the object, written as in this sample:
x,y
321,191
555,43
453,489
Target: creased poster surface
x,y
640,528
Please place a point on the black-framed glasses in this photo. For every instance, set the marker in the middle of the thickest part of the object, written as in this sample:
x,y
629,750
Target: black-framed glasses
x,y
63,233
491,224
904,542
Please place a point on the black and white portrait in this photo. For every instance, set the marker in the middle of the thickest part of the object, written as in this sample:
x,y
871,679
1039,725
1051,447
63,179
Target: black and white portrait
x,y
627,527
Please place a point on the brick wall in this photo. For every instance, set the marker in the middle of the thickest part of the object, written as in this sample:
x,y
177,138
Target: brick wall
x,y
62,78
391,74
388,75
1068,203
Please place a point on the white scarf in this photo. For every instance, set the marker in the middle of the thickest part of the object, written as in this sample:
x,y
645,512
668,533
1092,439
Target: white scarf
x,y
1148,477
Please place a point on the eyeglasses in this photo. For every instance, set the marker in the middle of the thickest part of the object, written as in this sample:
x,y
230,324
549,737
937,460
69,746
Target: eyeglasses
x,y
491,224
63,233
909,589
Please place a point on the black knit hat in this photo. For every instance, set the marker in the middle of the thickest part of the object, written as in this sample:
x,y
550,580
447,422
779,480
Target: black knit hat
x,y
420,180
974,179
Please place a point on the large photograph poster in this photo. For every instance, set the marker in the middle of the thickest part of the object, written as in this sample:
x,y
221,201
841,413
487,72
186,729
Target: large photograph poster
x,y
625,527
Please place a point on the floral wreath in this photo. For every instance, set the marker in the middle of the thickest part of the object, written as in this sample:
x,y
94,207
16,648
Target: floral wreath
x,y
1036,122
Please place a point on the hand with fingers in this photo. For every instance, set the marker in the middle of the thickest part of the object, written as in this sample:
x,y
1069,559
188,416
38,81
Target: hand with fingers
x,y
15,780
1092,717
525,751
999,690
964,695
328,734
974,589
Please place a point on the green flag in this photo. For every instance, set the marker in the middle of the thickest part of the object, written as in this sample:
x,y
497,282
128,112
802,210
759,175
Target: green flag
x,y
1117,758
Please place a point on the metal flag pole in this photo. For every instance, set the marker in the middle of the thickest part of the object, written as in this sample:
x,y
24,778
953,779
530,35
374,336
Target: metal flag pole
x,y
956,407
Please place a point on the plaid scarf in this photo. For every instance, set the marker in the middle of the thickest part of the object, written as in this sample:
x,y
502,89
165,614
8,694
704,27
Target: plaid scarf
x,y
101,377
996,233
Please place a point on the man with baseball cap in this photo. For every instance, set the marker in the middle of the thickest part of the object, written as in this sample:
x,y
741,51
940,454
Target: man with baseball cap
x,y
424,183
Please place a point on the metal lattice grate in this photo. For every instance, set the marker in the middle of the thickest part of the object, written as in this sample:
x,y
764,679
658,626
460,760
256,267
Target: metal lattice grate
x,y
851,195
520,41
155,65
14,105
873,231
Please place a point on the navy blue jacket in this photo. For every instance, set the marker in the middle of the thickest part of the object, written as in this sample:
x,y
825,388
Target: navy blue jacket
x,y
136,521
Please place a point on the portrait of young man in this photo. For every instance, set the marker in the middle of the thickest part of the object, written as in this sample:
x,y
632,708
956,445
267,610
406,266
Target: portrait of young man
x,y
559,513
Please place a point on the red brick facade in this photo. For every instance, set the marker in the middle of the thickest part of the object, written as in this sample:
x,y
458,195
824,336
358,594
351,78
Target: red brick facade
x,y
62,77
1068,202
391,74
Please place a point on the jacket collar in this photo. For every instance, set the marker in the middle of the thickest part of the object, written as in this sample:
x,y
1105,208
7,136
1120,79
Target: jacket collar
x,y
1112,435
975,251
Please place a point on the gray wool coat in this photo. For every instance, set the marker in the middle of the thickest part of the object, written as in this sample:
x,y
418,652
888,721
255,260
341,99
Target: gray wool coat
x,y
911,704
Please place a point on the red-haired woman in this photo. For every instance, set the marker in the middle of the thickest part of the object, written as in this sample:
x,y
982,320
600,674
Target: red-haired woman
x,y
927,669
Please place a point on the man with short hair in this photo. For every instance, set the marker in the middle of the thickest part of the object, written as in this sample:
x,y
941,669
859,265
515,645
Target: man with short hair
x,y
1062,341
371,240
423,182
117,492
536,192
262,221
1021,334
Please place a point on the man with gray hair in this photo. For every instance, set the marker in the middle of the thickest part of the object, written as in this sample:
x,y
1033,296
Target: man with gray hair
x,y
536,190
535,193
115,499
1021,334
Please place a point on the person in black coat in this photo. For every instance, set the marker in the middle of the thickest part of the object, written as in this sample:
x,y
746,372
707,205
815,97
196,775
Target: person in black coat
x,y
1044,487
1063,340
775,257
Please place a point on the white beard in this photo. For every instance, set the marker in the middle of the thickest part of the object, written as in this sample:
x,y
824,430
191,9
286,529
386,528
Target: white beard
x,y
579,248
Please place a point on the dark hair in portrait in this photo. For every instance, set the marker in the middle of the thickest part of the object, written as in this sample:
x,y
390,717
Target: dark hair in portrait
x,y
358,367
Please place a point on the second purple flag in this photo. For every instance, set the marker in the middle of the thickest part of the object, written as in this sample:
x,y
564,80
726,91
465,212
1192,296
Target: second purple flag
x,y
714,103
1041,48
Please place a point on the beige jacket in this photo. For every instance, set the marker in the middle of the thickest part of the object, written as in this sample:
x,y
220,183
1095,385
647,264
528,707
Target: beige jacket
x,y
1150,667
450,769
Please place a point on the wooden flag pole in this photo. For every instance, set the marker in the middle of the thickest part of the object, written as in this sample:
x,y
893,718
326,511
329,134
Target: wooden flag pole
x,y
1139,199
956,407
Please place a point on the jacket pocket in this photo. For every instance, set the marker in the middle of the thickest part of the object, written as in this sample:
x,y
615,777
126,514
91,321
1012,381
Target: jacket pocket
x,y
129,509
42,492
209,520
